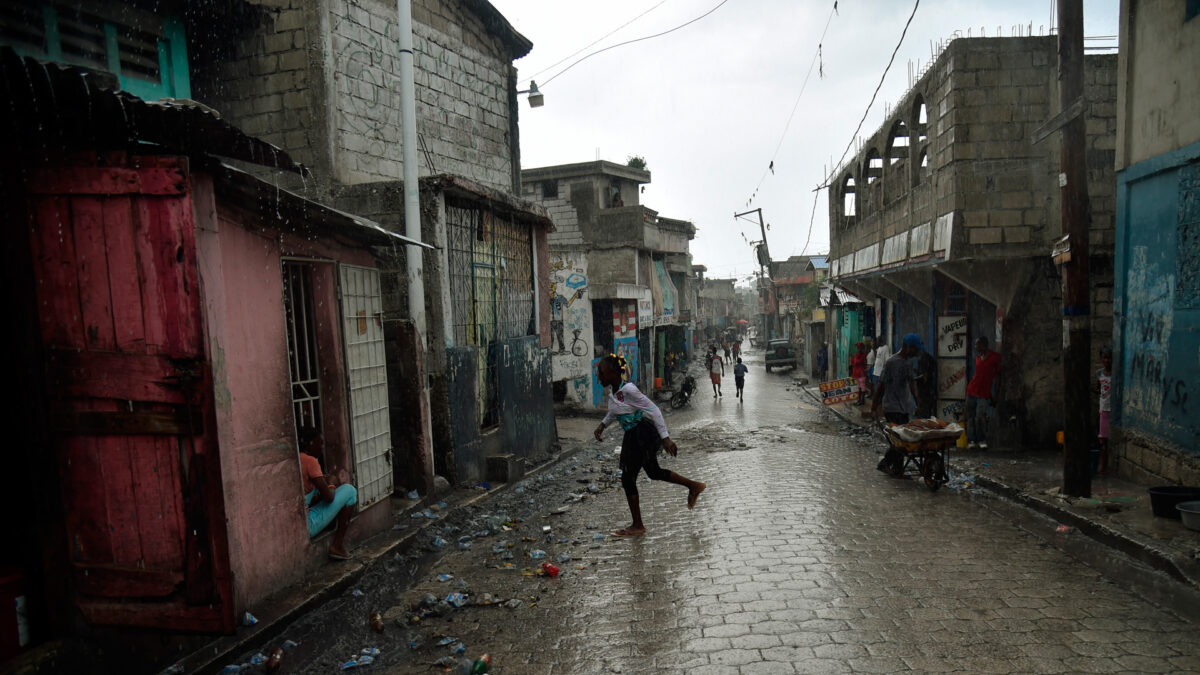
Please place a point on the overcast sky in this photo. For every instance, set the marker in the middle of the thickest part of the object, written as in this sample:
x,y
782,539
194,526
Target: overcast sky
x,y
707,104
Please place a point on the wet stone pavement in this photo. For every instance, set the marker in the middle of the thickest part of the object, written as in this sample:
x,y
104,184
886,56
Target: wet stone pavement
x,y
800,557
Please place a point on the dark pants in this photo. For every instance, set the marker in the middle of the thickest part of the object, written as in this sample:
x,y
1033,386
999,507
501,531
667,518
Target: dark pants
x,y
639,450
896,418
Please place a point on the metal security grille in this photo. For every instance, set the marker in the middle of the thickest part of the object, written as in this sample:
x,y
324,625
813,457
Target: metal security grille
x,y
302,344
491,285
362,333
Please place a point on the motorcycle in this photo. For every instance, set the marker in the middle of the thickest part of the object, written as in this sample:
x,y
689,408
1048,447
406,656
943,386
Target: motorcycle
x,y
681,397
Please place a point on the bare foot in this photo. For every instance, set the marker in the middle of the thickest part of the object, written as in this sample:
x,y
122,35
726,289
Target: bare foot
x,y
338,553
694,494
629,531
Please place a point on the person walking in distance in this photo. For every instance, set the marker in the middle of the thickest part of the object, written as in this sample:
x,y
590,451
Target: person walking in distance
x,y
716,368
725,346
1103,387
645,433
739,378
870,363
980,398
822,360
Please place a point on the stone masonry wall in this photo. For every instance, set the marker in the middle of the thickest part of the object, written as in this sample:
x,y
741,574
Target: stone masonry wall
x,y
555,196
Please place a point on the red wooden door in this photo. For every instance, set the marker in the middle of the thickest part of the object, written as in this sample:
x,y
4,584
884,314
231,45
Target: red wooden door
x,y
119,311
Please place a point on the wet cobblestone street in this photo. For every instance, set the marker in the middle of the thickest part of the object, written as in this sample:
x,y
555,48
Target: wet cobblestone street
x,y
799,558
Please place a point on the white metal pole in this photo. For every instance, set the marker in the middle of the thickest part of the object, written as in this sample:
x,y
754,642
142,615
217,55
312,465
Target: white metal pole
x,y
408,155
412,218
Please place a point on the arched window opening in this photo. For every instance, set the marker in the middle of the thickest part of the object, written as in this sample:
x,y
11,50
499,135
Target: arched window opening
x,y
922,165
921,119
898,143
873,166
849,198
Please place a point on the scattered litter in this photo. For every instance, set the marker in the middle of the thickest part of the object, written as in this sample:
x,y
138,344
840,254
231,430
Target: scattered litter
x,y
565,557
357,593
447,641
358,662
550,570
399,526
375,621
456,600
445,577
288,644
248,619
439,542
414,495
560,510
598,537
537,554
500,547
1062,529
274,660
258,659
484,486
233,669
458,648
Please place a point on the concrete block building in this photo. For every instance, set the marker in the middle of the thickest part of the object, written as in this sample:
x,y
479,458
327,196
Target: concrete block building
x,y
1156,361
320,78
620,276
944,220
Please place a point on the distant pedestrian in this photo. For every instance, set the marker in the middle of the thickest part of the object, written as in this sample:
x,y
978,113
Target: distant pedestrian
x,y
870,345
1103,387
739,378
737,350
896,384
716,368
980,396
925,374
858,369
822,361
882,353
645,433
728,356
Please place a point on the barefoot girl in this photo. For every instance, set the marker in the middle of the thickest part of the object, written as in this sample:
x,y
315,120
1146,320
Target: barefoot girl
x,y
645,432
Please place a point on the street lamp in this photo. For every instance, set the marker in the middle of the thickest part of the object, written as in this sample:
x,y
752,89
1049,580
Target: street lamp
x,y
536,98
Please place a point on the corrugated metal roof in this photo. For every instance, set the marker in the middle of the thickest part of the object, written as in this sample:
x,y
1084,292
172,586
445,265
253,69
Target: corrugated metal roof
x,y
50,108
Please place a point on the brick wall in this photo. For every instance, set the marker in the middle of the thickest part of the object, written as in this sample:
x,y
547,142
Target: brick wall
x,y
320,78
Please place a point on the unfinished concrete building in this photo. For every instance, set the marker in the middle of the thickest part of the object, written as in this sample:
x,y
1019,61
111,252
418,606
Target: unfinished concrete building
x,y
944,222
617,274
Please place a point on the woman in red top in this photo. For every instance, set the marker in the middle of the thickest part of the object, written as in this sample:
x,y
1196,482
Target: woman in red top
x,y
858,369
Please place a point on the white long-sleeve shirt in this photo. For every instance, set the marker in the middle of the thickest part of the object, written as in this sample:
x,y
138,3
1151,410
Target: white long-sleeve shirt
x,y
627,400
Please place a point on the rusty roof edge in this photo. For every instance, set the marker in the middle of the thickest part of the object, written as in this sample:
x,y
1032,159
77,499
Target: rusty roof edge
x,y
451,183
230,176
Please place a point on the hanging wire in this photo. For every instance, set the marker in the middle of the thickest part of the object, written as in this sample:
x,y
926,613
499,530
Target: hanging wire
x,y
629,42
876,93
795,106
594,42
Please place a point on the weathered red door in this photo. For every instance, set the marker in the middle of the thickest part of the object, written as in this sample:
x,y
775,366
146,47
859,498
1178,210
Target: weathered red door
x,y
119,310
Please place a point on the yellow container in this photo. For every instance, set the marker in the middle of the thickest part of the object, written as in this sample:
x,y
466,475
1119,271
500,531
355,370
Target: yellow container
x,y
1058,436
962,440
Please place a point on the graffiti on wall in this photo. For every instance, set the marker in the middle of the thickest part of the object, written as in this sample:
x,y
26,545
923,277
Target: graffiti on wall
x,y
1151,387
571,324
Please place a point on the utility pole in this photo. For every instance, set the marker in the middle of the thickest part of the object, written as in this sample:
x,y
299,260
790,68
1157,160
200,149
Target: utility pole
x,y
764,254
1076,218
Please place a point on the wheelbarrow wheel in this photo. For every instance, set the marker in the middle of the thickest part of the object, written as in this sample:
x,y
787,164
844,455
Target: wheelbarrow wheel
x,y
679,400
934,472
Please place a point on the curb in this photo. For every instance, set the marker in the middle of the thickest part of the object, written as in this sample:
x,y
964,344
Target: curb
x,y
212,657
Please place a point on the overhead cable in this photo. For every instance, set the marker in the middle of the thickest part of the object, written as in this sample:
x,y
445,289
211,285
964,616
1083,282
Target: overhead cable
x,y
629,42
876,93
597,40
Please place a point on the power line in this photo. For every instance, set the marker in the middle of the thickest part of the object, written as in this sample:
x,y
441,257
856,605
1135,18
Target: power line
x,y
629,42
877,88
816,56
600,39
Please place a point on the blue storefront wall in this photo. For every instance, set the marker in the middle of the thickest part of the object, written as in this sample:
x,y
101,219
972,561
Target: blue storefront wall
x,y
1157,298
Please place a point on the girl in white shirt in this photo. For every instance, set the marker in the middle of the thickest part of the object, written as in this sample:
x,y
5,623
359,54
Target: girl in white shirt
x,y
645,433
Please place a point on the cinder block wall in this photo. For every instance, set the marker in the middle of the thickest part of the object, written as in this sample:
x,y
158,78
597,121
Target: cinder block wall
x,y
320,79
555,196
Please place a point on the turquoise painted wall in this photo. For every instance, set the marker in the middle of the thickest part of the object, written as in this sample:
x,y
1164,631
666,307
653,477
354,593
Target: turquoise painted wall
x,y
1157,298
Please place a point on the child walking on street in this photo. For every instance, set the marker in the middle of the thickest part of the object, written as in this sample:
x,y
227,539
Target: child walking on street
x,y
1103,387
716,368
645,433
739,378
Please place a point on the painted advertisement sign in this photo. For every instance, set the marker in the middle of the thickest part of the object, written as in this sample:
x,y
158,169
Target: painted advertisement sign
x,y
839,391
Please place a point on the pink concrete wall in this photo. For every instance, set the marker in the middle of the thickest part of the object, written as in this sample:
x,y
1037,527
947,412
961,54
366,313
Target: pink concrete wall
x,y
242,291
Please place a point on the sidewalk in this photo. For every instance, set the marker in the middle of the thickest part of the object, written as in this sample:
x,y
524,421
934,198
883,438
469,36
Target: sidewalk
x,y
1117,516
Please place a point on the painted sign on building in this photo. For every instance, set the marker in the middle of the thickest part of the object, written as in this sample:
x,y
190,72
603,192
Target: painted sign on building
x,y
839,391
571,324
